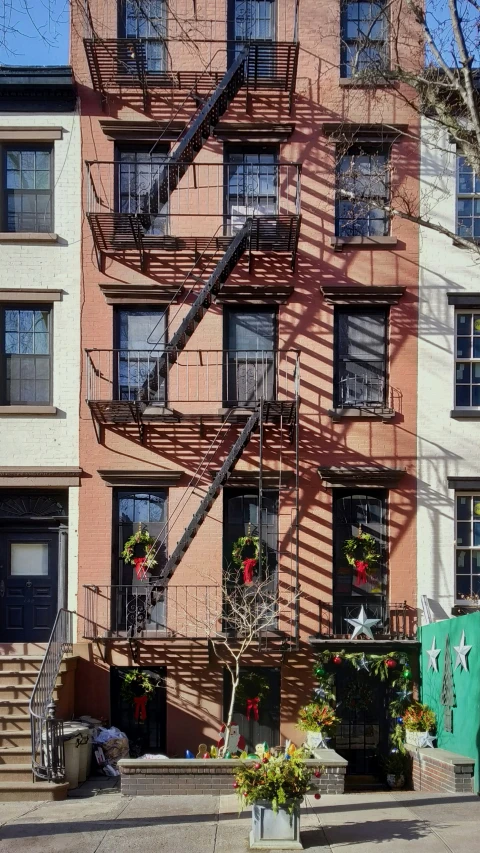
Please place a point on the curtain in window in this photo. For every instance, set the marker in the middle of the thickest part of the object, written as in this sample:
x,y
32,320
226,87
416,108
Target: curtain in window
x,y
250,360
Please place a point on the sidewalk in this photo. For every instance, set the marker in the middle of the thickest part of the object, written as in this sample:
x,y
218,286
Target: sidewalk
x,y
98,820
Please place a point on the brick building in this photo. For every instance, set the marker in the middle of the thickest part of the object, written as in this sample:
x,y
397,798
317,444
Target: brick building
x,y
251,342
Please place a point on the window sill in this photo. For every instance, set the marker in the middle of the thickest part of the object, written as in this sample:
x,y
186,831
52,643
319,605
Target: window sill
x,y
380,413
358,83
28,410
27,237
465,414
367,242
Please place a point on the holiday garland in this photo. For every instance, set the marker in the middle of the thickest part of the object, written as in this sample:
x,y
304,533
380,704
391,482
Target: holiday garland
x,y
142,564
248,564
362,553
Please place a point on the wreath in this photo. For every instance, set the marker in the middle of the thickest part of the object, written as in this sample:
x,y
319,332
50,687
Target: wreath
x,y
138,687
248,564
147,561
252,688
362,553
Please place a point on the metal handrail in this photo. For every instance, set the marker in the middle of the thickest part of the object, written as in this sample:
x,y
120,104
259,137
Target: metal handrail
x,y
48,761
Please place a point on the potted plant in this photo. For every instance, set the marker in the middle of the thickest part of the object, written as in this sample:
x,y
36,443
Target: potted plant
x,y
395,766
418,720
316,719
275,788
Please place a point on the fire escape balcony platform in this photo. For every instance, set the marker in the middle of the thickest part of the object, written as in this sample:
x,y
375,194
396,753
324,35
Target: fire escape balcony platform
x,y
122,63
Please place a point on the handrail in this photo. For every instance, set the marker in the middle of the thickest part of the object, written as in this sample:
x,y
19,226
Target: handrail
x,y
48,762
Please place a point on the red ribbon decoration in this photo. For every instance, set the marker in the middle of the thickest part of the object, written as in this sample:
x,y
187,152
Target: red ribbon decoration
x,y
252,706
140,712
248,566
140,570
361,567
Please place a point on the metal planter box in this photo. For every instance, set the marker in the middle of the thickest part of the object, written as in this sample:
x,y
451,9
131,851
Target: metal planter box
x,y
280,831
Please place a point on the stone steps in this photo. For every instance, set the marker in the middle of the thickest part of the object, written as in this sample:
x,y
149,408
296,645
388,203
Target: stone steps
x,y
15,737
31,791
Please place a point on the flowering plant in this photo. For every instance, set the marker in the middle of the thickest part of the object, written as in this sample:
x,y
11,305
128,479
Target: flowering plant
x,y
419,718
315,717
281,781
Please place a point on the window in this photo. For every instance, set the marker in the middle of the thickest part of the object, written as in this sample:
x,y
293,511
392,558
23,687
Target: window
x,y
467,548
139,185
362,193
251,185
26,358
360,369
145,20
141,341
467,359
468,200
352,511
134,508
250,355
364,28
28,205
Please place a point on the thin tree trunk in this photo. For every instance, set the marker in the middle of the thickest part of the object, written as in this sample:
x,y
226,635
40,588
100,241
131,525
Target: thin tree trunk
x,y
235,679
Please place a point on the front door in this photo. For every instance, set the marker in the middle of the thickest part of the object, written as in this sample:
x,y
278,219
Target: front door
x,y
362,734
267,727
28,585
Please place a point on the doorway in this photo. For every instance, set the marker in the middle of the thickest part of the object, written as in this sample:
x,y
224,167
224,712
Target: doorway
x,y
267,727
362,734
144,735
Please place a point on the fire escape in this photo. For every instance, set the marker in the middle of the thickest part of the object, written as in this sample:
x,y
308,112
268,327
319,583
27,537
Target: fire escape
x,y
162,391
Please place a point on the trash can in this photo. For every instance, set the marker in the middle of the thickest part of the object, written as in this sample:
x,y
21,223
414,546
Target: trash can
x,y
71,744
85,750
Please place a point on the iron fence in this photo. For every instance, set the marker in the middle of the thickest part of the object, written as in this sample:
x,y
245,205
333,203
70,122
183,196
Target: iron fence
x,y
395,621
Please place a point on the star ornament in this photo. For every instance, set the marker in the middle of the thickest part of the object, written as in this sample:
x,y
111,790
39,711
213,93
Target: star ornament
x,y
462,651
433,654
362,625
427,740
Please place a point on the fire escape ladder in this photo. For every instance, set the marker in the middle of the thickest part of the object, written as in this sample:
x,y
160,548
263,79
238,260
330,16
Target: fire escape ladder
x,y
226,264
200,128
222,476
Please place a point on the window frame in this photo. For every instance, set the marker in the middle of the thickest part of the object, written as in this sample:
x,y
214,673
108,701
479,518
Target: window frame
x,y
11,145
142,149
159,308
366,149
365,310
339,561
345,43
464,360
465,196
118,564
463,602
24,306
228,151
122,34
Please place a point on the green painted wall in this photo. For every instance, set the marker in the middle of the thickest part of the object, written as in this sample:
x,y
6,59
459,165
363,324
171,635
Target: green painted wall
x,y
465,738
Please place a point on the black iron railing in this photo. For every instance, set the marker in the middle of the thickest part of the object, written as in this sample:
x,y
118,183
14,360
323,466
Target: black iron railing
x,y
48,762
395,621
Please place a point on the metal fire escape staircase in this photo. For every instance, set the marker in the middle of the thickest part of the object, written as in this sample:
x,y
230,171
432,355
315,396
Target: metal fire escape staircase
x,y
207,501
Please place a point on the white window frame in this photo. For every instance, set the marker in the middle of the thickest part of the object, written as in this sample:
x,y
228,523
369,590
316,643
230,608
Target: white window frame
x,y
463,602
460,196
460,359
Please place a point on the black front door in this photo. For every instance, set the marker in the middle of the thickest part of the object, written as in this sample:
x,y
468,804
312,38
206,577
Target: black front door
x,y
28,585
267,727
362,734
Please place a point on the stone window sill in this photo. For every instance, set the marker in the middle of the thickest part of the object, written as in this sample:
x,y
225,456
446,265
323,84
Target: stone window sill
x,y
27,237
28,410
382,414
338,243
358,83
465,414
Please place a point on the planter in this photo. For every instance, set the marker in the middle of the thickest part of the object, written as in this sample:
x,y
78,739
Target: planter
x,y
280,831
314,739
414,738
395,781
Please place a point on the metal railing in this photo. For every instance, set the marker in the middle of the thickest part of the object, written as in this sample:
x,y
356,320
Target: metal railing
x,y
48,761
357,391
192,376
168,194
396,621
155,610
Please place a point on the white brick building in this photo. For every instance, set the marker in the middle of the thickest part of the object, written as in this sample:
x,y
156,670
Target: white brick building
x,y
40,281
448,429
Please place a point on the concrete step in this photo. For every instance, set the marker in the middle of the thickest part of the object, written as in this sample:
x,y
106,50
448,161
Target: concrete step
x,y
30,663
16,693
16,772
18,676
19,722
15,755
13,737
32,791
17,707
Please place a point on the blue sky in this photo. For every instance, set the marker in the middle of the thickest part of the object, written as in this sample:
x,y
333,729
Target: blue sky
x,y
36,32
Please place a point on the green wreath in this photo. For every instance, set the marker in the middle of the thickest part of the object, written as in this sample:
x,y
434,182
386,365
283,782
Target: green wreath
x,y
240,544
362,547
251,686
141,537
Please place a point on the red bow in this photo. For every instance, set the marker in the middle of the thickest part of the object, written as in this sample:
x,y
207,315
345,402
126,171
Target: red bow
x,y
140,570
361,567
248,566
140,703
252,705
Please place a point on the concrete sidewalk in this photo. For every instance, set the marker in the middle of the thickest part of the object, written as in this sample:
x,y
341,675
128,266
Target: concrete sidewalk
x,y
99,820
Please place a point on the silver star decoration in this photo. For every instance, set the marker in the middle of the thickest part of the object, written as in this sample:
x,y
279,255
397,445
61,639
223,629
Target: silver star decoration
x,y
427,740
433,654
403,695
362,625
364,664
462,651
323,742
319,692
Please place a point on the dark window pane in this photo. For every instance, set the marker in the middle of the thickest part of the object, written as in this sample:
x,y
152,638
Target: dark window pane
x,y
462,395
464,324
463,586
463,561
463,347
463,533
464,507
463,372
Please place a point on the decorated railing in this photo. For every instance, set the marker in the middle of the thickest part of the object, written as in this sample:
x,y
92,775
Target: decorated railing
x,y
391,621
